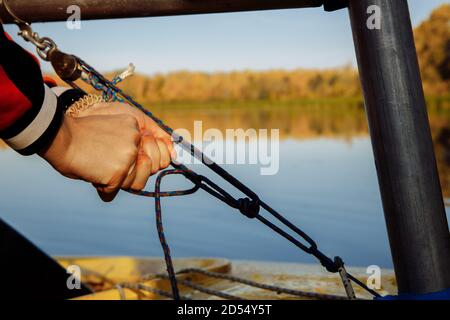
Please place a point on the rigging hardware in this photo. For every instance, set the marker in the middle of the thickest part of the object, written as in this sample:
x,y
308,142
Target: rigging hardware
x,y
70,68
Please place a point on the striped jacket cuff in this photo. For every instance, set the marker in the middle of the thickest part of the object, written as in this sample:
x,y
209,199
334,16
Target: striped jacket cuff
x,y
40,132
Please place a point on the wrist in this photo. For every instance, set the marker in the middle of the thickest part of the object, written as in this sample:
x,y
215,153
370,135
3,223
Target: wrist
x,y
57,152
57,149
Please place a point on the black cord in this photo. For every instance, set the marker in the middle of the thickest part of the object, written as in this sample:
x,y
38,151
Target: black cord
x,y
245,207
248,206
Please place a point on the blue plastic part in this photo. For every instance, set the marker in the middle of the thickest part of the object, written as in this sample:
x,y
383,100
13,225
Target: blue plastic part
x,y
440,295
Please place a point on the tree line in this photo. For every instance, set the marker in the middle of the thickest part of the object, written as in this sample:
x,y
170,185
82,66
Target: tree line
x,y
432,39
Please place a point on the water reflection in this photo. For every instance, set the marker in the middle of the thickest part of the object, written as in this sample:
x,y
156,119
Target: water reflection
x,y
326,184
306,122
294,122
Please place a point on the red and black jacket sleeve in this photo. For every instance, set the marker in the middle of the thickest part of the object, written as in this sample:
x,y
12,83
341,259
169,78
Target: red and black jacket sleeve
x,y
30,111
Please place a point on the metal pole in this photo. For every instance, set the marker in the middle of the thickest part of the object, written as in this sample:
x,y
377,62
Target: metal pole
x,y
56,10
402,146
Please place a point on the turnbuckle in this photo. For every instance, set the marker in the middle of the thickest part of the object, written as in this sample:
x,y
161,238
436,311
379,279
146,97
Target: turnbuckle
x,y
345,279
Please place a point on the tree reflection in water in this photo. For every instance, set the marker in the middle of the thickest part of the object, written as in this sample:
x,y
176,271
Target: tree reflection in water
x,y
304,122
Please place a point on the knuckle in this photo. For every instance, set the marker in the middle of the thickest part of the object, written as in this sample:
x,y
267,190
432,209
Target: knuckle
x,y
130,120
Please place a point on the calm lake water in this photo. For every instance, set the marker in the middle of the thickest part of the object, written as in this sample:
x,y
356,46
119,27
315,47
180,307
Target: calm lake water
x,y
326,184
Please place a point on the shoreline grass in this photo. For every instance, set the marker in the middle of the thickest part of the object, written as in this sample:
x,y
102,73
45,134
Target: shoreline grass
x,y
326,103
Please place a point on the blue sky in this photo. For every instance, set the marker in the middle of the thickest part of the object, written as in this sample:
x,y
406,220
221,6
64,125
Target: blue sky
x,y
288,39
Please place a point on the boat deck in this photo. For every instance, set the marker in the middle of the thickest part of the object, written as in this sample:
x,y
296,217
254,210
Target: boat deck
x,y
138,278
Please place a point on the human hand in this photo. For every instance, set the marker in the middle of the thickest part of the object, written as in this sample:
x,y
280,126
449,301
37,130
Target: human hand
x,y
111,145
145,123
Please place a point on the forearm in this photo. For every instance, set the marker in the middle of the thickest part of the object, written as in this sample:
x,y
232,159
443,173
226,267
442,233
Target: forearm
x,y
30,112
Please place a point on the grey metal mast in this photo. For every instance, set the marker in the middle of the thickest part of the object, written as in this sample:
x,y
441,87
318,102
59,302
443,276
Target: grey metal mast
x,y
402,146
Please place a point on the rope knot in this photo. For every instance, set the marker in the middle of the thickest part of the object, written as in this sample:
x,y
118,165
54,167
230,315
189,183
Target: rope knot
x,y
248,207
